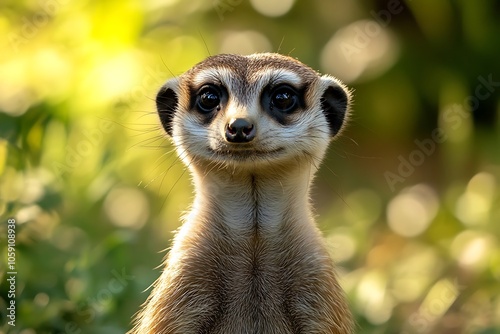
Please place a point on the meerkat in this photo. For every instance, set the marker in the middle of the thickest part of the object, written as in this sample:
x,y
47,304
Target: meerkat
x,y
248,257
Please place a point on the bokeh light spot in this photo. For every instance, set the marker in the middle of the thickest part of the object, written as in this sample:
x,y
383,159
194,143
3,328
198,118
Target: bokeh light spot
x,y
362,49
371,294
473,249
342,245
244,42
41,299
272,8
473,207
127,207
411,212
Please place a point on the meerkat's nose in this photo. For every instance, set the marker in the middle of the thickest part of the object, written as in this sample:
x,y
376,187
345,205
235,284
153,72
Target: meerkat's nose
x,y
240,130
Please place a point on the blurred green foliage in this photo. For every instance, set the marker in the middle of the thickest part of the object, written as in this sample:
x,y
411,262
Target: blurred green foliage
x,y
408,198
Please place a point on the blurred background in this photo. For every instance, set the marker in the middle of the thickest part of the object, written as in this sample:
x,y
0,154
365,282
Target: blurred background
x,y
408,198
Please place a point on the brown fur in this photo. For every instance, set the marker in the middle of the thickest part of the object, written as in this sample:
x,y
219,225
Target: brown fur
x,y
248,258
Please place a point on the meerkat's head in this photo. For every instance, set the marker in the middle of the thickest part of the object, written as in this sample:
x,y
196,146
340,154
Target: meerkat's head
x,y
252,111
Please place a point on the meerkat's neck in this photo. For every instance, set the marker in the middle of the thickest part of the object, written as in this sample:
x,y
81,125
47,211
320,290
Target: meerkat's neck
x,y
246,200
249,259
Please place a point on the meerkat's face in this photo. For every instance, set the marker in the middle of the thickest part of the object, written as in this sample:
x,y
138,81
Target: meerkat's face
x,y
252,110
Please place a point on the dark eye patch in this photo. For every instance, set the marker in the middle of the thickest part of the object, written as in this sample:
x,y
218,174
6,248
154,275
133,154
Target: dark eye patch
x,y
207,100
282,100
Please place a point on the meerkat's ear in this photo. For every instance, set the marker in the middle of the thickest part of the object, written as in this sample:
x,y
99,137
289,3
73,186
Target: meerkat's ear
x,y
335,102
166,103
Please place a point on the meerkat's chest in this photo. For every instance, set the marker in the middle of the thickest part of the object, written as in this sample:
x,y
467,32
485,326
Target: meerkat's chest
x,y
249,282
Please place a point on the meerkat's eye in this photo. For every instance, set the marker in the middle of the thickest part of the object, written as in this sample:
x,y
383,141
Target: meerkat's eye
x,y
284,99
208,99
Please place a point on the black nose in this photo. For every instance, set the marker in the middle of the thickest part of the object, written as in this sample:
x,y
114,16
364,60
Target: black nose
x,y
240,130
